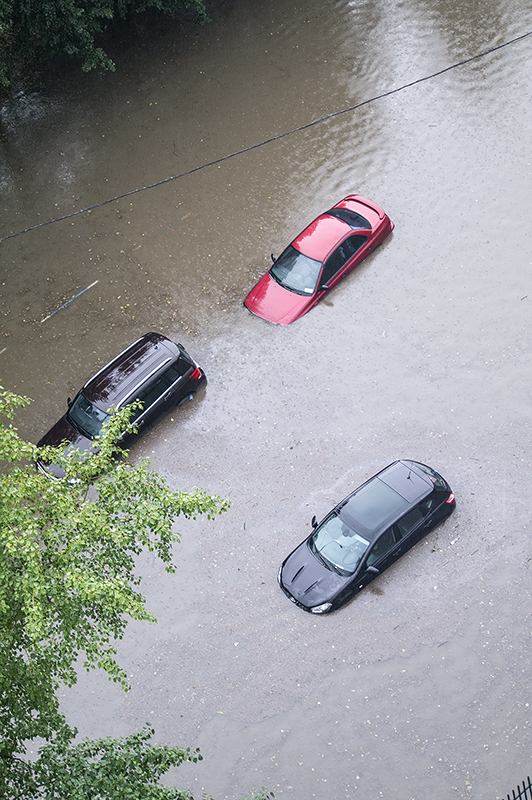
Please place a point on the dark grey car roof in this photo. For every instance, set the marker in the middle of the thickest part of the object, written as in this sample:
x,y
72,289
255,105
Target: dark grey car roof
x,y
371,508
407,481
128,369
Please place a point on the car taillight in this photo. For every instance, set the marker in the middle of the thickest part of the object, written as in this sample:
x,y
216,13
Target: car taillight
x,y
196,375
450,499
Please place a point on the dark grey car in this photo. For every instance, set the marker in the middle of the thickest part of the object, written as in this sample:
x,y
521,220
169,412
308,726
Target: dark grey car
x,y
364,534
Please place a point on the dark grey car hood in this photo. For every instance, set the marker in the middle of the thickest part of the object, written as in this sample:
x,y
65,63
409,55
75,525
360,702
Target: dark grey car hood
x,y
308,580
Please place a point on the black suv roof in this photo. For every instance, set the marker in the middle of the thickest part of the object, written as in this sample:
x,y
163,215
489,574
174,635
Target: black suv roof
x,y
130,368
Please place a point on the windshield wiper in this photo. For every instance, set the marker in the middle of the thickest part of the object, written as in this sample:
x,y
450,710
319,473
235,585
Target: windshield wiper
x,y
75,424
276,278
317,553
325,561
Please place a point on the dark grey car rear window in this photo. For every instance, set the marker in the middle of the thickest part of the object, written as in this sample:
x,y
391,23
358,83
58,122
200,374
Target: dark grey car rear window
x,y
372,507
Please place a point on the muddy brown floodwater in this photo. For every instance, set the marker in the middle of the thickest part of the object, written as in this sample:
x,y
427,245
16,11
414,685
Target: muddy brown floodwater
x,y
421,686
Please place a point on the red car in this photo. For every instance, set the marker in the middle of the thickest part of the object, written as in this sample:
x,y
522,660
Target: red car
x,y
324,253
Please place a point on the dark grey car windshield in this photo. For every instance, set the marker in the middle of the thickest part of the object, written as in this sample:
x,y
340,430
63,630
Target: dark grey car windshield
x,y
337,545
373,507
296,272
86,417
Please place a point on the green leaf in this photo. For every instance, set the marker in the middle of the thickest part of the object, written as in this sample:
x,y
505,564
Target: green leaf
x,y
68,581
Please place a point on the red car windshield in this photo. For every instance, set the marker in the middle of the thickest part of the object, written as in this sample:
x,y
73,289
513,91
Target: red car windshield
x,y
296,272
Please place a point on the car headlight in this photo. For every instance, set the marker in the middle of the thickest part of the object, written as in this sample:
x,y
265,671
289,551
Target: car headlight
x,y
321,609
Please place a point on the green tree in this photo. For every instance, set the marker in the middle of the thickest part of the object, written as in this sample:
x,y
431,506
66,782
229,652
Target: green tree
x,y
127,768
33,30
115,769
68,584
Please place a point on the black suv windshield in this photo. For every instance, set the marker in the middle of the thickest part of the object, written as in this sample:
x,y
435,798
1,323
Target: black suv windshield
x,y
296,272
86,417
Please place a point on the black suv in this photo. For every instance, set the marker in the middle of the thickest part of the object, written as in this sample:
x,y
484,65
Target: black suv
x,y
153,370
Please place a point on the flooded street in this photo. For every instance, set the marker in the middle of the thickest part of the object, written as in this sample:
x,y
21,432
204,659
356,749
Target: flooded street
x,y
421,686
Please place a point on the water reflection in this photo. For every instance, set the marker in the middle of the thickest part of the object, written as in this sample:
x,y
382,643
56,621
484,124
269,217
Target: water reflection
x,y
421,353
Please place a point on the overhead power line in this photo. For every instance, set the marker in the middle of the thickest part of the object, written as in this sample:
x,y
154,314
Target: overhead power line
x,y
271,139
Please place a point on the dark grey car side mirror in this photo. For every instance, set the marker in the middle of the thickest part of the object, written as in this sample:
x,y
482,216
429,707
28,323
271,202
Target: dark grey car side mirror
x,y
373,570
314,522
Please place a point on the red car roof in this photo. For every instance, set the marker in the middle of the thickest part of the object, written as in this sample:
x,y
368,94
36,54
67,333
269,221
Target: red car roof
x,y
321,236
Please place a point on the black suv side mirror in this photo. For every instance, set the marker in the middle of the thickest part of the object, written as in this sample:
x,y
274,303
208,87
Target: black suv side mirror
x,y
314,522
